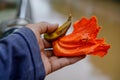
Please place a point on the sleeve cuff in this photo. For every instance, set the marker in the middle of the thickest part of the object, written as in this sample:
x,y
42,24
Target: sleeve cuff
x,y
32,43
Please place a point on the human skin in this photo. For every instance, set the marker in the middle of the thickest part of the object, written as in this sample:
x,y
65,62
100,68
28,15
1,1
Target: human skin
x,y
50,61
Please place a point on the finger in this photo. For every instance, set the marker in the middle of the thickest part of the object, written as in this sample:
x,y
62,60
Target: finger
x,y
67,61
49,53
45,27
62,62
75,59
53,58
47,44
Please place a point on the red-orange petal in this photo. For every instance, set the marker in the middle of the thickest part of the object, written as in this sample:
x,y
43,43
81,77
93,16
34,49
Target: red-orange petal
x,y
82,40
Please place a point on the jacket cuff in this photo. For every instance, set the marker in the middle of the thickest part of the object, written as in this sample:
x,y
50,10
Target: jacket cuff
x,y
32,43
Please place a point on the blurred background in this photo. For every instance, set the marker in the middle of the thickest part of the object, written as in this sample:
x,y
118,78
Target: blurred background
x,y
56,11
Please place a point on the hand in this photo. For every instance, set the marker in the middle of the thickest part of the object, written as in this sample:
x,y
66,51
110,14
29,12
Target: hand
x,y
50,61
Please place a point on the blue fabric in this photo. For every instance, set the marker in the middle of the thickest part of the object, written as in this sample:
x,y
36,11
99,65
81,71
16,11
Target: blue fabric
x,y
20,57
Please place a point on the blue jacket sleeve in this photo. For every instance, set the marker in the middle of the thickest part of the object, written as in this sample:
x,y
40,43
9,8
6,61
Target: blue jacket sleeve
x,y
20,57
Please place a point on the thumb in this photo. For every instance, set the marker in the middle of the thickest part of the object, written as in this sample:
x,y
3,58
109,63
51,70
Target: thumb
x,y
45,27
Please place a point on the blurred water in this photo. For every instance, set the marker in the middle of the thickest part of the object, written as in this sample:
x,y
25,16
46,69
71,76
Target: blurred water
x,y
91,68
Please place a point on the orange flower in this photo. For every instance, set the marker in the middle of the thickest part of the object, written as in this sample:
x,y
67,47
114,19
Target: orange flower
x,y
82,41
